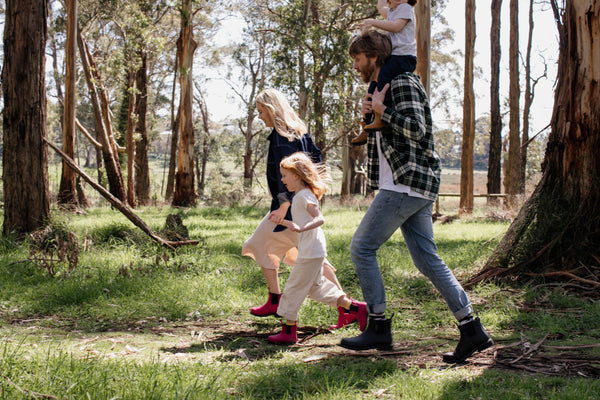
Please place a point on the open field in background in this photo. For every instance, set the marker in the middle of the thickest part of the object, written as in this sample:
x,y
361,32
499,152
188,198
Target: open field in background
x,y
224,186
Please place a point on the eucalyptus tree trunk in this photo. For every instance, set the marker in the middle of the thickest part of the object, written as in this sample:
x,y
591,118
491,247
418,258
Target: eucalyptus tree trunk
x,y
466,160
494,177
423,36
528,100
513,163
99,102
185,194
174,139
556,233
142,173
25,157
66,192
129,137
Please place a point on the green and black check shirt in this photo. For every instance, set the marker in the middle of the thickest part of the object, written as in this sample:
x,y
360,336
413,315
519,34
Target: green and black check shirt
x,y
407,141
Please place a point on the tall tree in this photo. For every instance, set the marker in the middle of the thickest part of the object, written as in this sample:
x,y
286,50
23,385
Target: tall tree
x,y
530,84
312,38
513,163
423,35
466,163
66,193
102,119
252,73
142,171
557,232
185,194
25,157
131,122
494,177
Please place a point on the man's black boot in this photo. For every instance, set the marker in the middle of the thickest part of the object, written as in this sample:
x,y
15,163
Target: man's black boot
x,y
473,337
378,335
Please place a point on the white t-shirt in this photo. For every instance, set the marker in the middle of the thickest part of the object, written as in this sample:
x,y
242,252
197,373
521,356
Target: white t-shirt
x,y
386,178
311,243
404,42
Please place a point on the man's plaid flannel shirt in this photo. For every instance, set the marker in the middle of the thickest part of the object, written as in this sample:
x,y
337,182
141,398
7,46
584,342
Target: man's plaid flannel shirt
x,y
407,141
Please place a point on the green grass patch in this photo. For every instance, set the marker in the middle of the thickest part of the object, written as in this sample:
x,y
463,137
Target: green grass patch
x,y
134,320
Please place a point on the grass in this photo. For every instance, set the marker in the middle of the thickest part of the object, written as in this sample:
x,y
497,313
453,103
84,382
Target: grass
x,y
136,321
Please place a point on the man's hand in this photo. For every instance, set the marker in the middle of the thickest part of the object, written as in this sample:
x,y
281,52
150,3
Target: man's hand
x,y
367,105
377,100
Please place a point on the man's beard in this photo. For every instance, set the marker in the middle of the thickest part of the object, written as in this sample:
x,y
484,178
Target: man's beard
x,y
367,73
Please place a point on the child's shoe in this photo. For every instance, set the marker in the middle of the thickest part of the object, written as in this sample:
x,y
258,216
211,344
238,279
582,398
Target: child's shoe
x,y
362,137
376,125
359,309
269,308
288,335
344,318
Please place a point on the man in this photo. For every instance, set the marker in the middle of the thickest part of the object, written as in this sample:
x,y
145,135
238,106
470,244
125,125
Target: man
x,y
403,166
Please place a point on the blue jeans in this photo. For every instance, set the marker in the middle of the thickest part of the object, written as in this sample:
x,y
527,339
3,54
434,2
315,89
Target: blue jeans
x,y
388,212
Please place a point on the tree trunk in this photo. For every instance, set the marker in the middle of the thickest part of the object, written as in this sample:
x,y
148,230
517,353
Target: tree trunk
x,y
513,163
185,194
494,177
423,35
131,97
102,121
466,163
67,192
557,233
528,99
142,173
205,143
25,157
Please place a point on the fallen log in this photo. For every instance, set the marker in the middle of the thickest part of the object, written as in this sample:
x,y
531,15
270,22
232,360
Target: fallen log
x,y
119,205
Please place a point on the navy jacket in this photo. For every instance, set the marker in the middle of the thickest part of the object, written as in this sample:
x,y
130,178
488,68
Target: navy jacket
x,y
279,148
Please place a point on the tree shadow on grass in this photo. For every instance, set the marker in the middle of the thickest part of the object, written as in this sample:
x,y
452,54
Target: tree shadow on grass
x,y
249,342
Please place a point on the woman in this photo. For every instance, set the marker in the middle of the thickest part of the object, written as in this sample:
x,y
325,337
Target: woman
x,y
271,242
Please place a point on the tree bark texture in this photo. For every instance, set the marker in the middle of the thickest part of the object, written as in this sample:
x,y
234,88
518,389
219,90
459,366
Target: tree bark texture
x,y
185,194
142,173
466,159
494,181
25,158
558,229
528,99
423,35
67,192
131,100
513,162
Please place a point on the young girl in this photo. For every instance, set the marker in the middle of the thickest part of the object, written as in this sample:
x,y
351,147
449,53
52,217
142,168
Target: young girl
x,y
271,242
400,24
301,176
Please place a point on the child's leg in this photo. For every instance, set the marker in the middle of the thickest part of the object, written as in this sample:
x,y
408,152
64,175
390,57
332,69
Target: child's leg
x,y
394,66
326,292
301,279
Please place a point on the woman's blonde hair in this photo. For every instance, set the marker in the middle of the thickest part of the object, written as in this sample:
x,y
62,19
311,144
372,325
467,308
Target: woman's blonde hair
x,y
285,120
313,175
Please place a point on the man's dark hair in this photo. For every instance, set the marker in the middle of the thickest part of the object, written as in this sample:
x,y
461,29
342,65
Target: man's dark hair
x,y
372,44
412,2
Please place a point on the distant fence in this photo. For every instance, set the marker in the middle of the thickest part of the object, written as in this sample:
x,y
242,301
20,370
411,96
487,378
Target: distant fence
x,y
437,201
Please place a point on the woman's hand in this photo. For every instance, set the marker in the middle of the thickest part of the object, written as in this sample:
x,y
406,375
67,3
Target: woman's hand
x,y
277,216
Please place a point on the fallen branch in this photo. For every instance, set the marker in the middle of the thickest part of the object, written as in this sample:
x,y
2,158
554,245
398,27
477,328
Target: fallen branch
x,y
567,274
137,221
